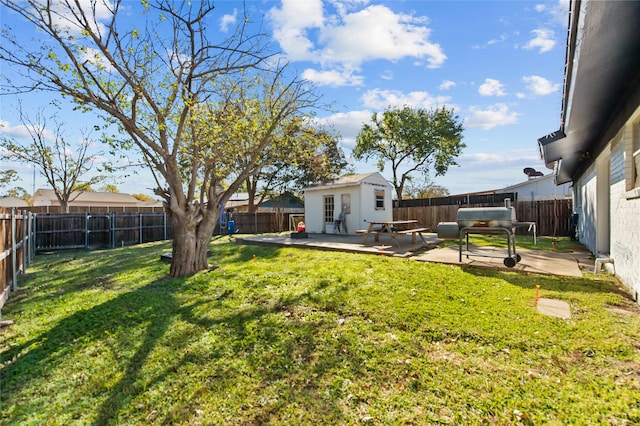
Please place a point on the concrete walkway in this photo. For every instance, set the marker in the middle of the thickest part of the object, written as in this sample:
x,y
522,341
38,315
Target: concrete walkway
x,y
536,261
533,261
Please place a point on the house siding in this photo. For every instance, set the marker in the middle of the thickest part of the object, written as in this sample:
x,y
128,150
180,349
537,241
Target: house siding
x,y
623,210
625,218
586,209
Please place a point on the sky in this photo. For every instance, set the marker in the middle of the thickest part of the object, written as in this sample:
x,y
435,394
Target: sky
x,y
498,64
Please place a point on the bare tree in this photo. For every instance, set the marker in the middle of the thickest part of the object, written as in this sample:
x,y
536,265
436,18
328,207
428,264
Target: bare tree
x,y
65,166
156,79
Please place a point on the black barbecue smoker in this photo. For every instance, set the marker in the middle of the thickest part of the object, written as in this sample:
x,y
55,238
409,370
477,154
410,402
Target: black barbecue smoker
x,y
486,220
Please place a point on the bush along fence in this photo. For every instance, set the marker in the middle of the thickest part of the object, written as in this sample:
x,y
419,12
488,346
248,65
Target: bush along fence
x,y
16,249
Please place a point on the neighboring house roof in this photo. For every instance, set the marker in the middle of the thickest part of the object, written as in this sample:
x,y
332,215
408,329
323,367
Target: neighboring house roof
x,y
47,197
539,187
287,201
239,199
154,204
9,202
602,75
348,180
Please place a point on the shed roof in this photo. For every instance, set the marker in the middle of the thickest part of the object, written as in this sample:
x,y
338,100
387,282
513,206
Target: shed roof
x,y
348,180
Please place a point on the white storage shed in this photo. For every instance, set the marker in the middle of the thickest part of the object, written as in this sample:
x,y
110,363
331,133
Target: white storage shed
x,y
347,204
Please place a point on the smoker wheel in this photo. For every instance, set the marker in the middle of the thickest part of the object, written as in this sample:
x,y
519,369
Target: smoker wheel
x,y
509,262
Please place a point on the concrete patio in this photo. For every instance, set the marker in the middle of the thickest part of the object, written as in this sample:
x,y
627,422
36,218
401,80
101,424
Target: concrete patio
x,y
533,261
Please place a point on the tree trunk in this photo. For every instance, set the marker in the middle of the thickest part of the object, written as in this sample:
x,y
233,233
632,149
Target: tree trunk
x,y
399,192
192,235
252,188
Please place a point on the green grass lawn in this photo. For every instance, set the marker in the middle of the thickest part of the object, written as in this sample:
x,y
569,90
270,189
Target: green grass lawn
x,y
546,243
299,336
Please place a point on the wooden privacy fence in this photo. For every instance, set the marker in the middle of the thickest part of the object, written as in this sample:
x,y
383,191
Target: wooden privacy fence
x,y
258,223
108,230
99,230
552,217
22,233
16,248
95,209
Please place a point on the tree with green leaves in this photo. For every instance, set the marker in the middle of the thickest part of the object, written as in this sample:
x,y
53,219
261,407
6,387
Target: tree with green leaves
x,y
165,81
424,189
67,167
109,187
411,140
7,177
317,156
306,154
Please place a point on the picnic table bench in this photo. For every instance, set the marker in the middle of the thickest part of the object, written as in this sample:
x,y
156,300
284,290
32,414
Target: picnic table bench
x,y
392,228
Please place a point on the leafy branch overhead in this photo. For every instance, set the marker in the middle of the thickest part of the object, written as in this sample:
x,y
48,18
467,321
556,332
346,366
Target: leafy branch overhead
x,y
204,108
411,140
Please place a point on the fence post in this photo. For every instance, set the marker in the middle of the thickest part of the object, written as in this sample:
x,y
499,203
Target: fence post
x,y
140,228
14,260
35,233
164,223
25,253
30,234
112,233
86,231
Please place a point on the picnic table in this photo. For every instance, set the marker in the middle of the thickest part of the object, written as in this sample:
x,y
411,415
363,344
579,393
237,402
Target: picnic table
x,y
393,228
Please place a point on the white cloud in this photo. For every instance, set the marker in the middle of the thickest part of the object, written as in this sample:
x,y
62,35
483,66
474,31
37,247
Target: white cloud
x,y
347,124
378,99
291,25
351,38
378,33
491,87
227,20
332,78
64,15
96,58
22,132
387,75
559,12
543,40
500,39
504,157
343,6
494,116
447,84
540,85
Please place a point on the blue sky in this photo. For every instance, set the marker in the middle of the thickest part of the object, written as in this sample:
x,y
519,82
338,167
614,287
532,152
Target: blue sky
x,y
498,64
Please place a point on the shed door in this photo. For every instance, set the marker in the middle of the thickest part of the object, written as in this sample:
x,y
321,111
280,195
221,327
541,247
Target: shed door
x,y
329,208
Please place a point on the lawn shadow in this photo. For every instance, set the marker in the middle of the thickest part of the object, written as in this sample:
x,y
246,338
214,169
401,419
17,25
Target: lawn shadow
x,y
278,345
242,252
145,305
554,283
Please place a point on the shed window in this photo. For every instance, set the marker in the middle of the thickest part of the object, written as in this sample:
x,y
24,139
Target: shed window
x,y
379,199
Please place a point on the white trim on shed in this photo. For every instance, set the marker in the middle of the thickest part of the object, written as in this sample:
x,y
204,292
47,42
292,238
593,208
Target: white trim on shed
x,y
354,199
